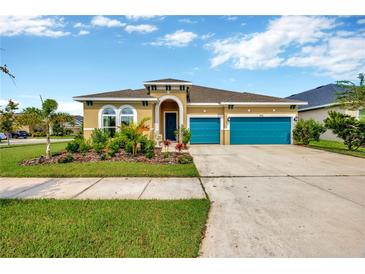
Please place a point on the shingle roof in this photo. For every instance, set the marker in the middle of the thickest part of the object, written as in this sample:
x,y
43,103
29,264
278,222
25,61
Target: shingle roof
x,y
197,94
168,80
200,94
322,95
126,93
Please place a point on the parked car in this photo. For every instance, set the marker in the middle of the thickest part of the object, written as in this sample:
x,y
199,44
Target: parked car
x,y
3,136
19,134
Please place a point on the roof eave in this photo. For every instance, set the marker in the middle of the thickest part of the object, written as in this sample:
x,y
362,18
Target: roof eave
x,y
168,83
319,106
264,103
82,99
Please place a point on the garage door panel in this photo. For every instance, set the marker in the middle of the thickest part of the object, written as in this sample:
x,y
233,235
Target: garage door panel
x,y
260,130
205,130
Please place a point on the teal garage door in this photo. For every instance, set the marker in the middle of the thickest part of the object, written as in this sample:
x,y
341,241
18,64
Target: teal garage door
x,y
260,130
205,130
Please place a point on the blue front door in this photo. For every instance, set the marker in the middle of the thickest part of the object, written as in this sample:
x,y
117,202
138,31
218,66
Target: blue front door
x,y
170,126
205,130
260,130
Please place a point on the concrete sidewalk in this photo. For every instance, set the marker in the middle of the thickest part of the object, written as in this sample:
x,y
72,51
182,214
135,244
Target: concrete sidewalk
x,y
102,188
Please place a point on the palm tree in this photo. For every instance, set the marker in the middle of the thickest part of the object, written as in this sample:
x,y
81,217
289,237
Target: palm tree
x,y
134,132
354,95
50,117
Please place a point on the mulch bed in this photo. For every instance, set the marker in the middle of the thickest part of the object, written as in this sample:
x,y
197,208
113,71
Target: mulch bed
x,y
122,156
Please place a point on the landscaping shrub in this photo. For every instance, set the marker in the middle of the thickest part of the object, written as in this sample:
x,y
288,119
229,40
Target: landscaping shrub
x,y
84,146
143,142
99,139
185,159
149,149
78,145
73,146
129,147
307,130
348,128
66,159
186,136
179,147
114,145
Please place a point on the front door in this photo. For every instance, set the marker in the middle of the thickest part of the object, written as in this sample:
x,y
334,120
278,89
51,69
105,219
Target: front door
x,y
170,126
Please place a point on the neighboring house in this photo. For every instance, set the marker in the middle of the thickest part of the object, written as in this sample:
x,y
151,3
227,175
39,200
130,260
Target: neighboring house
x,y
76,127
214,116
321,100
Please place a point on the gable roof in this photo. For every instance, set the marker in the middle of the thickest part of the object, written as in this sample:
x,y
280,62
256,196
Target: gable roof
x,y
168,80
200,94
318,97
138,94
197,95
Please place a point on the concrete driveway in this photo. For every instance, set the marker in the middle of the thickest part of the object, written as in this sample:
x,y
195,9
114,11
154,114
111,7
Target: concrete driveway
x,y
282,201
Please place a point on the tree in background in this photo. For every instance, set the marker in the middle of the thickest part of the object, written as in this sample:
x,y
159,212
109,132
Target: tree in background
x,y
8,120
31,117
348,128
354,96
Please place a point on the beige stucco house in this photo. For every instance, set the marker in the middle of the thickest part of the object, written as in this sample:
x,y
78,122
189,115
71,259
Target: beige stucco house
x,y
321,100
214,116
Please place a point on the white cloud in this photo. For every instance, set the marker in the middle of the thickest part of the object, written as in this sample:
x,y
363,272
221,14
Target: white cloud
x,y
102,21
318,45
81,25
262,50
74,108
361,21
143,28
141,17
179,38
339,57
32,25
187,21
83,32
207,36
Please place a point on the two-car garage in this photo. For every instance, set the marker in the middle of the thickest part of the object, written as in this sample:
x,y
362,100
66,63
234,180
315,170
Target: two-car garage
x,y
243,130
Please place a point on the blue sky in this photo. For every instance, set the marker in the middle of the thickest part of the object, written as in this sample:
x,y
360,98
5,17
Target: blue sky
x,y
63,56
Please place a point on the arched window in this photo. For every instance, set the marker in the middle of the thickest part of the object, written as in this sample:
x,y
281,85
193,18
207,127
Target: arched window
x,y
127,115
108,118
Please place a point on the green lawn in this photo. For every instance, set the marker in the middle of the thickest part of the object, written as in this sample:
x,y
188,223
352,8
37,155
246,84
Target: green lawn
x,y
101,228
337,147
11,156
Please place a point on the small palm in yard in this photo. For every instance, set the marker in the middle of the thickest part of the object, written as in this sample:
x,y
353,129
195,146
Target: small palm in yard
x,y
133,133
48,116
